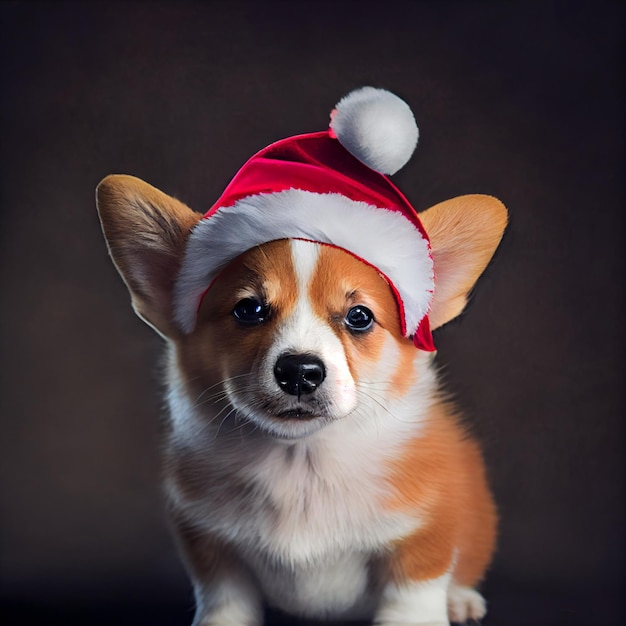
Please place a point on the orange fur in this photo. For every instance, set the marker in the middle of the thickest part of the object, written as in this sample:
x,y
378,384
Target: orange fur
x,y
404,375
441,474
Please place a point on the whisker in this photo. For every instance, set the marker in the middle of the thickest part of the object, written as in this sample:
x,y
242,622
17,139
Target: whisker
x,y
218,383
233,410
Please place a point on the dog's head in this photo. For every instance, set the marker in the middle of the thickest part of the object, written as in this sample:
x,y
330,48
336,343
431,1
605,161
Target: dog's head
x,y
291,334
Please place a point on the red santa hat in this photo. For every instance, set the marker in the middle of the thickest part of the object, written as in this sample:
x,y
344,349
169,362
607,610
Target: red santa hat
x,y
329,187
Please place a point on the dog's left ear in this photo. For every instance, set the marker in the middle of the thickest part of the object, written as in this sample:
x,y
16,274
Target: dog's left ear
x,y
464,233
146,231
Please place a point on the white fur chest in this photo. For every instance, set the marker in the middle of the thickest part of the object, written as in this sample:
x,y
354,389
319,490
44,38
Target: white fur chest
x,y
326,497
315,547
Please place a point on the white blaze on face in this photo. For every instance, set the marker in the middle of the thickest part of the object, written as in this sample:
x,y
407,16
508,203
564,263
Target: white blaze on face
x,y
302,331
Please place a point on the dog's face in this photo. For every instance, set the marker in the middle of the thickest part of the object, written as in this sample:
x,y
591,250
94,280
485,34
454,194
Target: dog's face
x,y
292,335
297,333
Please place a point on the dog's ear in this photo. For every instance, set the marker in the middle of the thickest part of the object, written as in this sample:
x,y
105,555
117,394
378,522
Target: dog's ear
x,y
146,231
464,233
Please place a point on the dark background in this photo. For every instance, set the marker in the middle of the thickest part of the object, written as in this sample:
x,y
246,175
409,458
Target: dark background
x,y
523,101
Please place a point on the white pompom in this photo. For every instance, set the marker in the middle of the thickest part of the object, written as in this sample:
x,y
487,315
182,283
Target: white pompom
x,y
376,127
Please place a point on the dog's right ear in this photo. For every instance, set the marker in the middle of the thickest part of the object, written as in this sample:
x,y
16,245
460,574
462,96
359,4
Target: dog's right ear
x,y
146,231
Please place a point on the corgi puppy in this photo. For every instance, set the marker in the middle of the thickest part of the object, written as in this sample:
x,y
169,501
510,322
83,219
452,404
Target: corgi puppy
x,y
310,461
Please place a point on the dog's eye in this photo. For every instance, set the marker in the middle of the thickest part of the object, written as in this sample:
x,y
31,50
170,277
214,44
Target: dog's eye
x,y
359,318
251,311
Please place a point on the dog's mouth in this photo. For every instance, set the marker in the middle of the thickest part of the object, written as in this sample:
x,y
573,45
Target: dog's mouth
x,y
282,415
303,411
284,420
297,413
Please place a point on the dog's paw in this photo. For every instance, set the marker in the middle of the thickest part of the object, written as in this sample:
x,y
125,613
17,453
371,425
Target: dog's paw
x,y
227,619
234,610
465,603
415,603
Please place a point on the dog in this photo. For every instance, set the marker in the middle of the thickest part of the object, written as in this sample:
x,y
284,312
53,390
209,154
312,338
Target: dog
x,y
311,461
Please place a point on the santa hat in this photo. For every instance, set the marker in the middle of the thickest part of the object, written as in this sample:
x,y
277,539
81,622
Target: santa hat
x,y
328,187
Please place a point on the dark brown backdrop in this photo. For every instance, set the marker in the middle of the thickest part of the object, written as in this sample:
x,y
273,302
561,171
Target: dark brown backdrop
x,y
520,100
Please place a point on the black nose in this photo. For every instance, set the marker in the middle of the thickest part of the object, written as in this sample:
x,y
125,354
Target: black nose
x,y
298,374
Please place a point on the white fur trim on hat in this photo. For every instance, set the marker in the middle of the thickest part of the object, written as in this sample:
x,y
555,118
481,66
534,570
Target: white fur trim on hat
x,y
376,127
383,238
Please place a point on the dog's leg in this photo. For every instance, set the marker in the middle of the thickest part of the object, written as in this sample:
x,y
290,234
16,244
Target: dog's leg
x,y
231,600
225,592
414,603
465,603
